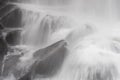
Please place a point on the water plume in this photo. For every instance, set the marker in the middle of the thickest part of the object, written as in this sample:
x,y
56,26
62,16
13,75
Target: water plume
x,y
90,29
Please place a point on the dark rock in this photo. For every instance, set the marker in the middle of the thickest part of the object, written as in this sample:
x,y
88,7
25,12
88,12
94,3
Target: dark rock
x,y
54,56
11,17
3,47
13,65
42,53
3,3
13,37
5,9
26,77
3,51
0,66
10,63
52,59
1,27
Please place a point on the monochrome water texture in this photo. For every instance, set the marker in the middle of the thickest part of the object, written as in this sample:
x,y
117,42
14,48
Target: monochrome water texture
x,y
59,40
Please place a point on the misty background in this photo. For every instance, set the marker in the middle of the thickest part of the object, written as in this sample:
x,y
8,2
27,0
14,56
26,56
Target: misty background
x,y
106,9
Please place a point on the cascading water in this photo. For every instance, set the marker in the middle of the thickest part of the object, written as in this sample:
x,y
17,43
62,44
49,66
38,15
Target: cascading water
x,y
86,31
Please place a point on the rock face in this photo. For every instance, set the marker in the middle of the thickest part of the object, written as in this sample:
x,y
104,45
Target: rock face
x,y
26,77
44,62
3,47
12,18
3,51
13,38
48,62
55,55
9,33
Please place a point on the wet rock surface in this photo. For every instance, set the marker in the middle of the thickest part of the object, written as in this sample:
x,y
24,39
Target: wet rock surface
x,y
3,3
5,10
1,27
47,63
9,66
3,47
26,76
15,61
12,19
9,36
3,51
13,38
49,66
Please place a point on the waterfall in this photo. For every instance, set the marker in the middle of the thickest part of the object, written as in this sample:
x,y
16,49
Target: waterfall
x,y
107,9
90,29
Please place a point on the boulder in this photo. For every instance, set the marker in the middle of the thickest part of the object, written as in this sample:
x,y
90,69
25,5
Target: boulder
x,y
10,16
3,51
13,37
50,60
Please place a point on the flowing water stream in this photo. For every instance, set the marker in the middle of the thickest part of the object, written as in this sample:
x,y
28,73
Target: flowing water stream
x,y
90,28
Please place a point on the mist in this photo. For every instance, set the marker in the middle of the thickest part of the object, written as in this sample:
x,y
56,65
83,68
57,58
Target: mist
x,y
65,40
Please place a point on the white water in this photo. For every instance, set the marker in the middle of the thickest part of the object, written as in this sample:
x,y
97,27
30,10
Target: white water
x,y
91,28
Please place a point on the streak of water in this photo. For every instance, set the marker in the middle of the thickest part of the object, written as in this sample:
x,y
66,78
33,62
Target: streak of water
x,y
90,56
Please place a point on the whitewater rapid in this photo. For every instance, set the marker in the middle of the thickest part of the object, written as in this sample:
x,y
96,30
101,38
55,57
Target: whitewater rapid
x,y
92,45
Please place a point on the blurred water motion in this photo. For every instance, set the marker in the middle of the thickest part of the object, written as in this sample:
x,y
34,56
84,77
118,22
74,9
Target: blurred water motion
x,y
61,40
107,9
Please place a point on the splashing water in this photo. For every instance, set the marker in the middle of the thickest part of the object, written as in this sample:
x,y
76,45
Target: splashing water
x,y
90,27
